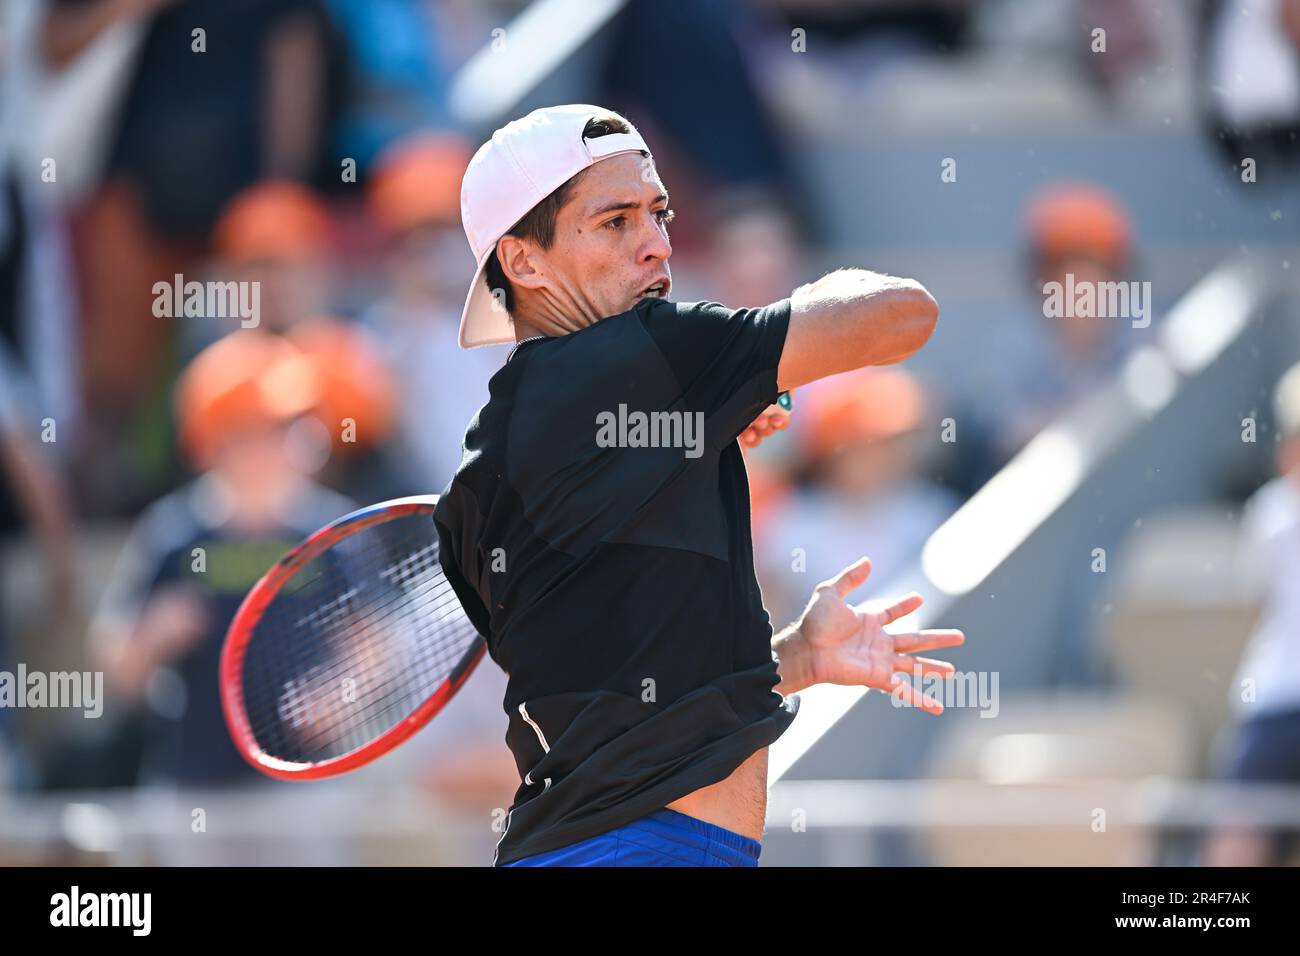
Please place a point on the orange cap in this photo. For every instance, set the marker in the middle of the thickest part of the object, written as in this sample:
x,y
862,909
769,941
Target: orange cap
x,y
417,181
1079,219
858,407
277,219
248,378
354,381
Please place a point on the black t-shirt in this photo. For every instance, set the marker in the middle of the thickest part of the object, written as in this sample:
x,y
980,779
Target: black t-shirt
x,y
610,566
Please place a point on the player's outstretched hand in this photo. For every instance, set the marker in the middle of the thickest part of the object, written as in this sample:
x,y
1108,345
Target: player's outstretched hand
x,y
846,644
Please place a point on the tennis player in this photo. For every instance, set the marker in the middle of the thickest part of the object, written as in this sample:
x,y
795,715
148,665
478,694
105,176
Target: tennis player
x,y
597,531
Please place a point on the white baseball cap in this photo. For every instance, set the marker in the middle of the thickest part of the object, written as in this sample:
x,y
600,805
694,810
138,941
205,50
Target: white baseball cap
x,y
523,163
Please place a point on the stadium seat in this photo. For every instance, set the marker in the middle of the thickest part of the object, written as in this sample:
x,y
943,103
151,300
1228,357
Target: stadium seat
x,y
1050,754
1181,615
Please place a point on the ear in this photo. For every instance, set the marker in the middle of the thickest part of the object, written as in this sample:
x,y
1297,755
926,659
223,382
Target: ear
x,y
517,257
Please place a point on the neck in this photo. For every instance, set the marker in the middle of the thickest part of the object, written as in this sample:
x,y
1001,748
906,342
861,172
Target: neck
x,y
549,314
526,330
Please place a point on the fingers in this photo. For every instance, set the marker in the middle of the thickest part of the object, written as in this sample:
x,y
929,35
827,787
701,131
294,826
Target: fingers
x,y
929,640
906,664
851,577
764,426
914,697
900,608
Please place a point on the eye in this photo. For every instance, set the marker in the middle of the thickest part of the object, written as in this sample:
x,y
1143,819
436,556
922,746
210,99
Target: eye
x,y
665,216
616,223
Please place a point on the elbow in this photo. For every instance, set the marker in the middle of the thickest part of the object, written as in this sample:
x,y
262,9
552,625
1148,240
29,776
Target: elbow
x,y
913,315
925,314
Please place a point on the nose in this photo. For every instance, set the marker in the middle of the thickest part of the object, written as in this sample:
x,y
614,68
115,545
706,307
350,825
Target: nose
x,y
657,245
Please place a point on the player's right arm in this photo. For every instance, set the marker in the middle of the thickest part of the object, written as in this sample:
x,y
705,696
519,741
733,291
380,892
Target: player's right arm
x,y
852,318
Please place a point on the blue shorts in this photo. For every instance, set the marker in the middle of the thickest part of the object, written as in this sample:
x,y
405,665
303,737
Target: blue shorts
x,y
664,838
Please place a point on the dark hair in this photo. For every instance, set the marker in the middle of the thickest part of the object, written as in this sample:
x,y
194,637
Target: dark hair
x,y
538,224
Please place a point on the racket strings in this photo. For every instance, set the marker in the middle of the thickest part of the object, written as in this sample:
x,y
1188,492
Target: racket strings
x,y
385,684
354,643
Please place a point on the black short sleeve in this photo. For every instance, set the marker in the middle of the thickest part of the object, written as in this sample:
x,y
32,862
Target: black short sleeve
x,y
725,359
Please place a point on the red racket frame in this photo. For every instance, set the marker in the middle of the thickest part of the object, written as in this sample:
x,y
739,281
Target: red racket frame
x,y
255,604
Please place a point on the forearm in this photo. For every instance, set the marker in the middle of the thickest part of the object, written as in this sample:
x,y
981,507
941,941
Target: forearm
x,y
793,665
852,318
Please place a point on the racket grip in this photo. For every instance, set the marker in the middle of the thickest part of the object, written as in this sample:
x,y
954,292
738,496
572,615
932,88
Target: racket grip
x,y
786,401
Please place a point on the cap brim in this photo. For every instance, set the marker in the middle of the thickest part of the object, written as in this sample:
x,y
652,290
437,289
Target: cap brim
x,y
484,320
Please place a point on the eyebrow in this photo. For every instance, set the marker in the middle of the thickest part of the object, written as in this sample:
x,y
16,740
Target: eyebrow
x,y
611,207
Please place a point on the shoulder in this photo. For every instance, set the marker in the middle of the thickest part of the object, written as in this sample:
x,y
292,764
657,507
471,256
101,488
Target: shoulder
x,y
174,520
702,315
696,336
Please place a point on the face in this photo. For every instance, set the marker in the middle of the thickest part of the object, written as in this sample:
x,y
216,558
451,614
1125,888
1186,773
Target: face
x,y
287,290
1080,334
864,468
611,248
254,456
754,259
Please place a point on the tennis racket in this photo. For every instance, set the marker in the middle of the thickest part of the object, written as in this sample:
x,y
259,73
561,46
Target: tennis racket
x,y
348,646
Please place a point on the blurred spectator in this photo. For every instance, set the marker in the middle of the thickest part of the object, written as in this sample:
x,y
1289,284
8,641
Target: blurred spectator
x,y
274,236
754,255
414,196
854,44
34,482
220,93
714,133
192,557
922,25
769,488
37,307
859,435
397,80
1251,82
1078,235
32,498
1130,37
1265,744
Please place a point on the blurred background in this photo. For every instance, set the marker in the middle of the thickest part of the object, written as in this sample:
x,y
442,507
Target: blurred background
x,y
1109,506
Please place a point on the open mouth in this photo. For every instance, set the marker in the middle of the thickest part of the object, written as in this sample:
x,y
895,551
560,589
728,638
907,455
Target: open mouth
x,y
657,291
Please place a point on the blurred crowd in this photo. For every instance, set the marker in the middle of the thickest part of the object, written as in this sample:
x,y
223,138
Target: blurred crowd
x,y
305,154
